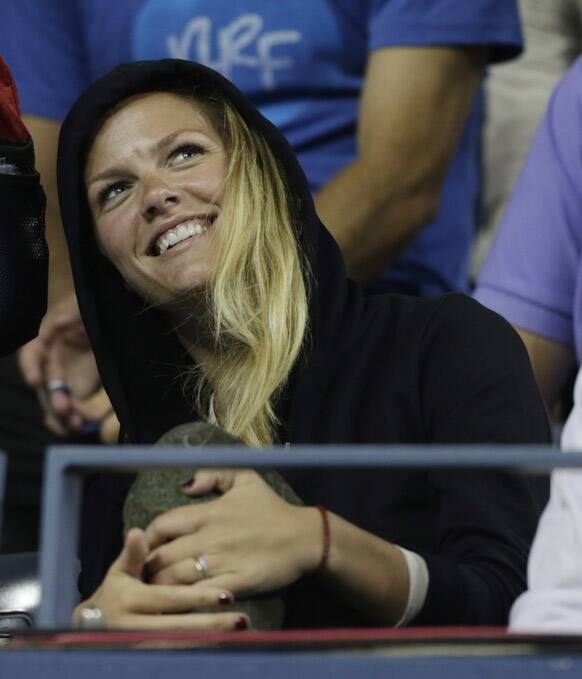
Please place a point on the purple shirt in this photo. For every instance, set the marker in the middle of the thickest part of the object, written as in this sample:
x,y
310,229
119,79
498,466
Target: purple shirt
x,y
533,274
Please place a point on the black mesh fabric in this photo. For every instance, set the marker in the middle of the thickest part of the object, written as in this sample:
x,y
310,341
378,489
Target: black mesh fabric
x,y
23,248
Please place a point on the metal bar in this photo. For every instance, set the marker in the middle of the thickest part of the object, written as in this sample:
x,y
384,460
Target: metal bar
x,y
284,664
2,486
66,466
61,508
530,458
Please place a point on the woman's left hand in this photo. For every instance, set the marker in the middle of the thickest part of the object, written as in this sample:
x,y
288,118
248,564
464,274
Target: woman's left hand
x,y
249,540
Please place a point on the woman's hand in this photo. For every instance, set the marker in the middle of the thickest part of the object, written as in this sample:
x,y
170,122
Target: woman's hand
x,y
98,411
250,539
59,364
127,602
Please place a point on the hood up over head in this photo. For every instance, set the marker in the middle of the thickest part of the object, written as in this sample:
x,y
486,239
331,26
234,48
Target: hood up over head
x,y
138,356
374,369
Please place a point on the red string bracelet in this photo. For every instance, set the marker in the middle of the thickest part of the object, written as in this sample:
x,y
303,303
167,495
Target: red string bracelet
x,y
326,539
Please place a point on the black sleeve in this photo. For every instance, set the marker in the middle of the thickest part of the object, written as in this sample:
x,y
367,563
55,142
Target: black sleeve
x,y
23,249
477,386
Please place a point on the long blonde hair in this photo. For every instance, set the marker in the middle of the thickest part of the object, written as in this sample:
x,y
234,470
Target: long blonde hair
x,y
257,298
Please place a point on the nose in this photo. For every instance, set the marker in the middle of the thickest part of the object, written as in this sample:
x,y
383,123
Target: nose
x,y
158,197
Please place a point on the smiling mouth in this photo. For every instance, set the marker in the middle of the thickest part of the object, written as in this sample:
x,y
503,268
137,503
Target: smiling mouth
x,y
189,228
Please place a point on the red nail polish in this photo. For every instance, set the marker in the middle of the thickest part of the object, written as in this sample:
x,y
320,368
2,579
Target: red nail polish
x,y
241,623
225,599
189,483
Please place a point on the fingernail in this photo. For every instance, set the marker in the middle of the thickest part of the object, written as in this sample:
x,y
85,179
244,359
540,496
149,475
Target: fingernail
x,y
225,599
241,623
189,483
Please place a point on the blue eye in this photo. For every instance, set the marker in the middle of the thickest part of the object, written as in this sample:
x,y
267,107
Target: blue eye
x,y
111,191
185,152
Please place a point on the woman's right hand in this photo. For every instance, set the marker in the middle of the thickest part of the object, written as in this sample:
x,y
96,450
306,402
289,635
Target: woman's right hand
x,y
127,602
61,354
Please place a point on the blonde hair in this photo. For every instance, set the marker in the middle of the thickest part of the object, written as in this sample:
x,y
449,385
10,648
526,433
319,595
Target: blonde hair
x,y
257,298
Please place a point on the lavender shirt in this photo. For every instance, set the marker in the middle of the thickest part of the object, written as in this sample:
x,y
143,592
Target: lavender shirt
x,y
533,274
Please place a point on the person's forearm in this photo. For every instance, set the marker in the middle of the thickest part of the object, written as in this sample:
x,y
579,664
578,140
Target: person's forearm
x,y
373,221
413,109
552,363
369,573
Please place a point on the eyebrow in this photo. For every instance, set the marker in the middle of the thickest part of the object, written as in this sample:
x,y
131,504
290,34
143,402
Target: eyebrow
x,y
117,170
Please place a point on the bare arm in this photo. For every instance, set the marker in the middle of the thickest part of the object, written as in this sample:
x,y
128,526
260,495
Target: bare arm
x,y
414,106
552,364
377,585
246,555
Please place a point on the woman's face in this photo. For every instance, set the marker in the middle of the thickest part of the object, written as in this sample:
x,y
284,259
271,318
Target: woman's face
x,y
155,184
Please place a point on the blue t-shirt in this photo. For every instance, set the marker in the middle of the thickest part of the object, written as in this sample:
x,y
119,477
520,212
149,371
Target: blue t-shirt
x,y
301,62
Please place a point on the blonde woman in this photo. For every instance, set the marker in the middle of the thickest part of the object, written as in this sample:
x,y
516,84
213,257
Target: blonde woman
x,y
210,290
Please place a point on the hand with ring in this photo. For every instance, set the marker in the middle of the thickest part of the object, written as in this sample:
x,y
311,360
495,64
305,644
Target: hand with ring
x,y
250,539
124,600
201,566
156,491
59,364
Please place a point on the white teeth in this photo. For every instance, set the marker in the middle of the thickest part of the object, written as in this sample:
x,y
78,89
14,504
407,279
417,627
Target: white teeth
x,y
178,234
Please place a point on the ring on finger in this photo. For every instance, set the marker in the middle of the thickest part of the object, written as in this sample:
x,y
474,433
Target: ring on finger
x,y
56,384
201,566
91,618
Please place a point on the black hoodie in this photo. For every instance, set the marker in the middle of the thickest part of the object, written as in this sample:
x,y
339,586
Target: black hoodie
x,y
378,369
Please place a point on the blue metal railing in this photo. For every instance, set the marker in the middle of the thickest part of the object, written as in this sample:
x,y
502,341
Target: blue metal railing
x,y
66,466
